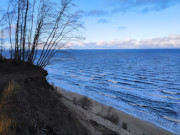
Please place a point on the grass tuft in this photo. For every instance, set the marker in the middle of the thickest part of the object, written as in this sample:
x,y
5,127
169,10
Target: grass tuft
x,y
85,103
113,118
11,89
124,126
5,110
5,124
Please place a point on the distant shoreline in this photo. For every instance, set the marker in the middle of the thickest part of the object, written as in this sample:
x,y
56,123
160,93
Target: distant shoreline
x,y
126,49
127,124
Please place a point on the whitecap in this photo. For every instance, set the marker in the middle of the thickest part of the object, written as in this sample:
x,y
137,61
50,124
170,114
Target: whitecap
x,y
168,97
100,74
112,81
139,105
171,119
83,78
107,95
143,77
169,92
127,88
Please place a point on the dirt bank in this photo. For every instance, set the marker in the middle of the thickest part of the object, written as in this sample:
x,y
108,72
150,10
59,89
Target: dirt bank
x,y
28,105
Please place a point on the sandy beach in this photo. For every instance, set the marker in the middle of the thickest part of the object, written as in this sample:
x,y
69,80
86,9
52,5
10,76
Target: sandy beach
x,y
96,117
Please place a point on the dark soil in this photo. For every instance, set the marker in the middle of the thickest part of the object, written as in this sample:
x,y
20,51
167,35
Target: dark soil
x,y
28,105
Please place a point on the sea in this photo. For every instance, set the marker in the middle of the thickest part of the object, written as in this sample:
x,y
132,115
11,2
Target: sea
x,y
144,83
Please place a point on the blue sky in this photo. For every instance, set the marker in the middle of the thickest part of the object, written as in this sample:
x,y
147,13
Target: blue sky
x,y
116,24
136,23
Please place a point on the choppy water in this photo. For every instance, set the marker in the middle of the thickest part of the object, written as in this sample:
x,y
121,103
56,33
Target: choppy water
x,y
144,83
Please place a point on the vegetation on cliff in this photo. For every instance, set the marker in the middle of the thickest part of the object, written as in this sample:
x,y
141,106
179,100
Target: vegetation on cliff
x,y
28,105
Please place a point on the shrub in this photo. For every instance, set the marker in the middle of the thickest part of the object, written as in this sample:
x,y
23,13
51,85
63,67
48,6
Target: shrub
x,y
124,126
112,117
2,59
52,84
54,87
74,101
85,103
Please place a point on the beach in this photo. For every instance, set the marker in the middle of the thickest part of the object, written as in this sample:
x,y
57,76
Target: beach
x,y
96,115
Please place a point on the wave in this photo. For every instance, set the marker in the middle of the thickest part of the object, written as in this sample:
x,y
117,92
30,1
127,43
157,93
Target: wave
x,y
116,82
171,119
127,88
143,77
140,105
169,92
112,81
84,78
107,95
77,84
125,83
168,97
137,81
100,74
72,75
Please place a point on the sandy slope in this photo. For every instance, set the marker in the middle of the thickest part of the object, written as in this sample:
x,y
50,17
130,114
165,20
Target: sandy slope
x,y
94,121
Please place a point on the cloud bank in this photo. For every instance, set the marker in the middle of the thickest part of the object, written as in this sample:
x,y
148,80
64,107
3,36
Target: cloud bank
x,y
171,41
123,6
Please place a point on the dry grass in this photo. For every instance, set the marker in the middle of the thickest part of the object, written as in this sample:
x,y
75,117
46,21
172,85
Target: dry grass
x,y
5,121
5,124
11,89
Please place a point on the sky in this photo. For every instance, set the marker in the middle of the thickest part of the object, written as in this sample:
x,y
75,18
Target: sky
x,y
128,24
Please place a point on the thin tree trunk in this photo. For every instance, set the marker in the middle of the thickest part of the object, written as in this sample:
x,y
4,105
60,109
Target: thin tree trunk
x,y
24,32
17,33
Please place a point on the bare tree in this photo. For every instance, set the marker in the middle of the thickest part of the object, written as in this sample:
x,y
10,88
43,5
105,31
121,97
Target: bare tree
x,y
37,29
1,34
2,41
